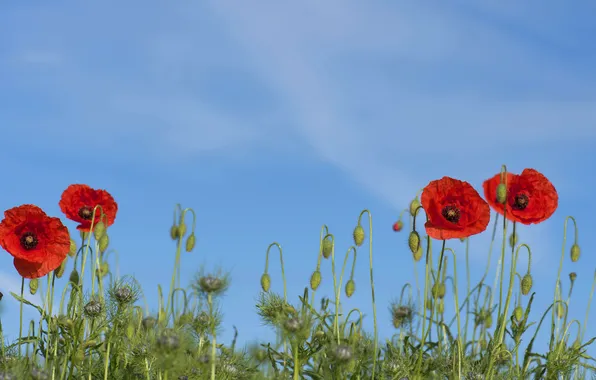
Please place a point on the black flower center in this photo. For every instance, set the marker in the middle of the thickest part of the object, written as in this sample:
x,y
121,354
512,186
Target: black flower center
x,y
451,213
521,202
86,213
29,241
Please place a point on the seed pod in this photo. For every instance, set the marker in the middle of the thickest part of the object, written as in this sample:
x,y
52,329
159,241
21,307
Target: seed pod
x,y
33,286
501,193
526,284
99,230
327,248
174,232
103,242
358,235
190,242
265,282
350,288
512,240
414,242
414,206
73,248
575,252
315,280
518,312
572,276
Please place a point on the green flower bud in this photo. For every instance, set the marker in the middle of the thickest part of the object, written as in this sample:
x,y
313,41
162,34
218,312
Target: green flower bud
x,y
414,206
414,242
103,242
74,277
327,248
488,321
526,284
501,193
418,254
73,248
103,270
99,230
181,230
84,235
358,235
560,310
440,308
265,282
350,288
512,240
190,242
174,232
575,252
438,290
315,280
59,272
33,286
518,313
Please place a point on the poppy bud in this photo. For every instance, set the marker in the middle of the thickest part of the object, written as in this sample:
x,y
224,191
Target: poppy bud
x,y
315,280
501,193
440,307
103,270
181,230
33,286
327,248
358,235
265,282
488,321
73,248
560,310
397,226
190,242
526,284
414,242
572,276
84,235
418,254
174,232
512,240
575,252
438,290
350,288
103,242
429,304
414,206
98,230
60,271
74,277
518,313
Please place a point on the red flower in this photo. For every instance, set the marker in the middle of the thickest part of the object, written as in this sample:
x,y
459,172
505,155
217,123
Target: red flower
x,y
531,197
397,226
38,243
78,201
454,209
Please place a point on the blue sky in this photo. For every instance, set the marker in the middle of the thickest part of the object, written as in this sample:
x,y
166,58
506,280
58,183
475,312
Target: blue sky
x,y
273,119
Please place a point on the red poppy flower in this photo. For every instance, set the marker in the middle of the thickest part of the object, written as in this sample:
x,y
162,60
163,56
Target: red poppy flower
x,y
78,201
454,209
397,226
531,197
38,243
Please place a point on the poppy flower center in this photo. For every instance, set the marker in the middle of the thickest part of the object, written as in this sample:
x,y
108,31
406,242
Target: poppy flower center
x,y
521,202
29,241
451,213
86,213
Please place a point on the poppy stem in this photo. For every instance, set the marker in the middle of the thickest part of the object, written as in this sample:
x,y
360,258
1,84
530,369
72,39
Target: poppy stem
x,y
21,312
